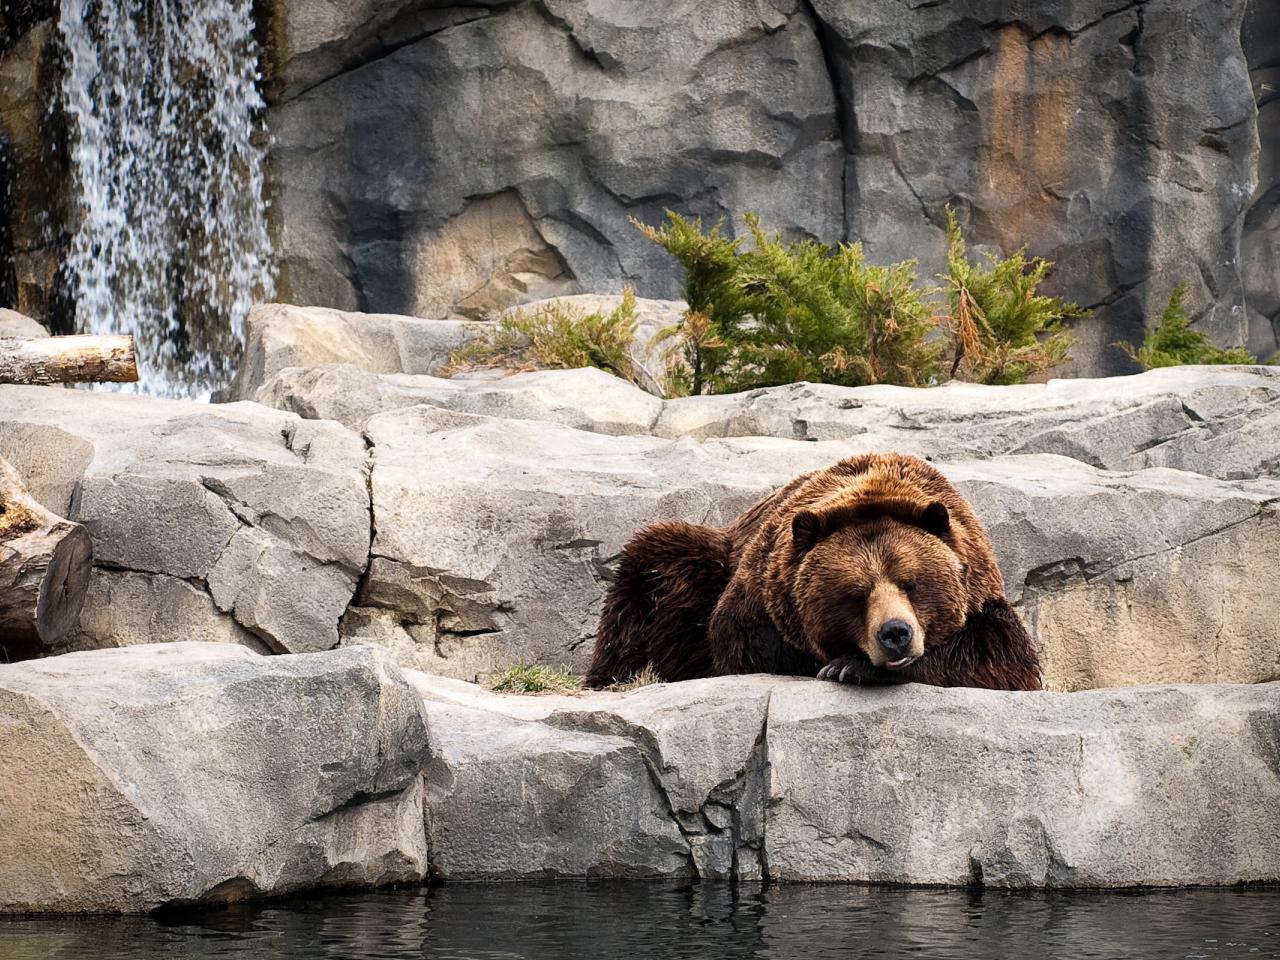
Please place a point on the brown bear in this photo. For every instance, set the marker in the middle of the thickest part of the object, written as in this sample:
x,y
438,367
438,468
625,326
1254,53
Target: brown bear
x,y
874,570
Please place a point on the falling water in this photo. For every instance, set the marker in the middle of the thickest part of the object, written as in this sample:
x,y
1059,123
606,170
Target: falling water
x,y
171,239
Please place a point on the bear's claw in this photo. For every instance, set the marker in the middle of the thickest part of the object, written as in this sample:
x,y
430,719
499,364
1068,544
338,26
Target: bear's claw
x,y
841,670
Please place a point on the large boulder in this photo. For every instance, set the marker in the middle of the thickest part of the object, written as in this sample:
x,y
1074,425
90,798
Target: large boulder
x,y
278,335
1162,786
230,522
1155,576
509,799
493,540
347,366
1118,139
15,324
182,773
665,781
770,778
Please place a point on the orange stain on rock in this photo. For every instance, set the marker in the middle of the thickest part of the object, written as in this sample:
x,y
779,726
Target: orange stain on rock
x,y
1027,133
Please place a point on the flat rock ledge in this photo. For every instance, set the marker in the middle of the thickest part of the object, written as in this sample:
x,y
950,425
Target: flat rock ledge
x,y
179,773
185,773
757,778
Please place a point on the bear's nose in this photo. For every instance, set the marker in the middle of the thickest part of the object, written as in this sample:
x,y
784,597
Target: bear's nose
x,y
895,637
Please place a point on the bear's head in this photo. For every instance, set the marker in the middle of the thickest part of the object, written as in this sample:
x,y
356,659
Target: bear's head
x,y
877,574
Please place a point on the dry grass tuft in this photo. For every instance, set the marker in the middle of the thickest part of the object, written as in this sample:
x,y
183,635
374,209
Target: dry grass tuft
x,y
533,678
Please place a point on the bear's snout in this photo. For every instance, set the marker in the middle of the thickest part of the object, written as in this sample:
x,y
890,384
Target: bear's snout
x,y
895,638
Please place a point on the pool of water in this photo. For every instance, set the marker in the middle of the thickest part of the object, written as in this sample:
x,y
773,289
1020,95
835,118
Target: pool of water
x,y
638,921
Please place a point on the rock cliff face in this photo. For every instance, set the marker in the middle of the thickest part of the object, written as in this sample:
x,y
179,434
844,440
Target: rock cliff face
x,y
1260,242
448,158
437,159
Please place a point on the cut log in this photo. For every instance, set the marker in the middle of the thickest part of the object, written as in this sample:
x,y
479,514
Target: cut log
x,y
68,360
44,572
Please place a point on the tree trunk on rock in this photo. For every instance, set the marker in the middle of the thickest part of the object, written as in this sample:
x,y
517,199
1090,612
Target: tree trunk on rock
x,y
68,360
44,572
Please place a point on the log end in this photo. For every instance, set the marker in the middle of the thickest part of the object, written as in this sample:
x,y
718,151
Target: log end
x,y
66,583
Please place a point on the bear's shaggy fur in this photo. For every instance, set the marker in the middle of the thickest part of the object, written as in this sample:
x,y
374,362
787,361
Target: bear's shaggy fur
x,y
874,570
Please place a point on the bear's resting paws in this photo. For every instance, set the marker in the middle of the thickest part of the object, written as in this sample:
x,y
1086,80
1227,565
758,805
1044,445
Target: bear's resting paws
x,y
844,670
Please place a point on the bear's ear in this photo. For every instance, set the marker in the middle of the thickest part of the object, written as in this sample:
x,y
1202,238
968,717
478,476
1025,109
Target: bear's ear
x,y
936,520
806,530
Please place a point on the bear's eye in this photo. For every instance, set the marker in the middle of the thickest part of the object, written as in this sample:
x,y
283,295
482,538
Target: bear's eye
x,y
857,598
909,587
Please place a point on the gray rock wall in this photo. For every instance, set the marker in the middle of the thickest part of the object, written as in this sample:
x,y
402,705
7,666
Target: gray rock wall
x,y
1260,241
35,188
767,777
432,159
438,159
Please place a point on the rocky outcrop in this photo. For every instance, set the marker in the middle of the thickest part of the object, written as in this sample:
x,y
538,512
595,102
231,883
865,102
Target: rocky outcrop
x,y
500,550
1221,422
14,324
1142,558
285,345
1117,138
472,524
229,522
183,773
330,770
278,336
754,778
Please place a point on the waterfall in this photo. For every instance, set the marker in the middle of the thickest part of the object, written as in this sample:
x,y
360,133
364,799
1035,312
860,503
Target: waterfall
x,y
170,237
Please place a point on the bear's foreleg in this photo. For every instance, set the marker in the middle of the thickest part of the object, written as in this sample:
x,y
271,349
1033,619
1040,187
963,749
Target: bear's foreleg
x,y
994,651
743,639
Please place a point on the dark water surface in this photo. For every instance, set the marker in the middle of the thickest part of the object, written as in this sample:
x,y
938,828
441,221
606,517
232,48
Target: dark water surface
x,y
636,921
